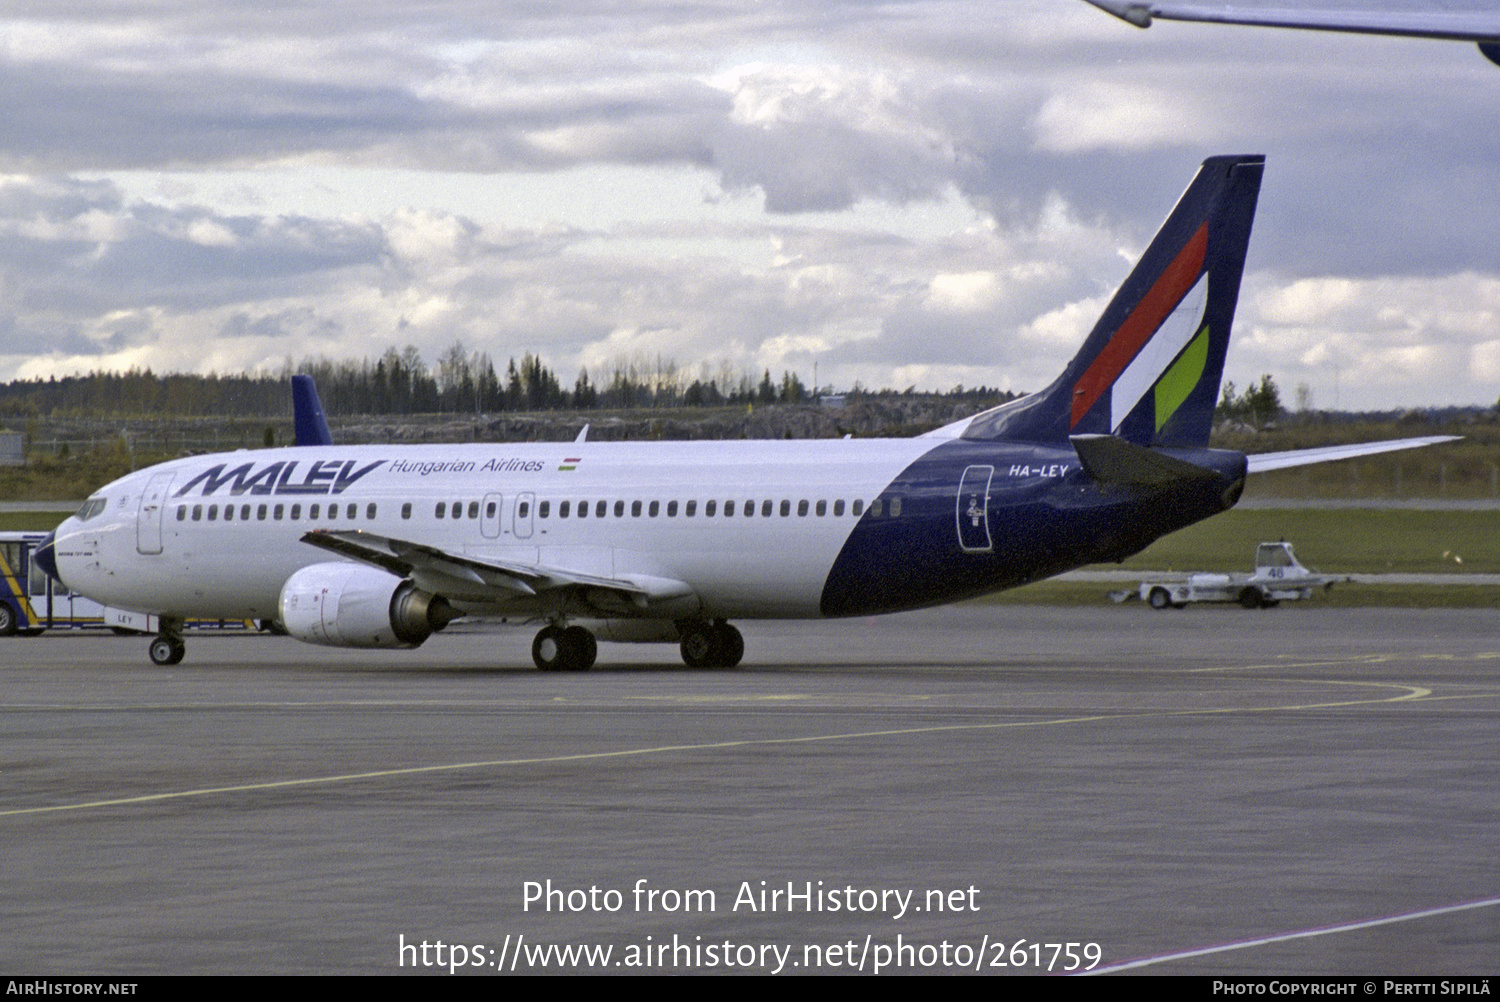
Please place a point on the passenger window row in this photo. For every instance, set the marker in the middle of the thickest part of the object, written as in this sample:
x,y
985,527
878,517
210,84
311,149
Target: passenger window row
x,y
565,509
491,509
750,508
275,513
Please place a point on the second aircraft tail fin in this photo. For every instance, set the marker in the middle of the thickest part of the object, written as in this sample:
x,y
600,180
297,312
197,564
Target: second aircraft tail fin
x,y
308,423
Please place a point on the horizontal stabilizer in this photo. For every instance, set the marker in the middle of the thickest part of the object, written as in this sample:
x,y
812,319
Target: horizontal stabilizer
x,y
1110,459
1306,457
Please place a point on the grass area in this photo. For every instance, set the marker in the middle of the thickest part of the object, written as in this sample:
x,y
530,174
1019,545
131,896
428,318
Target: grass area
x,y
30,521
49,478
1466,469
1335,541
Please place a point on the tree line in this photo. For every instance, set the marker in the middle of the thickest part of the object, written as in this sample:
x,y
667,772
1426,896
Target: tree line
x,y
401,382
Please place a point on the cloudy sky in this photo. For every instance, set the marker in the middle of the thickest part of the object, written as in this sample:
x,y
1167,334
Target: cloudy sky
x,y
927,192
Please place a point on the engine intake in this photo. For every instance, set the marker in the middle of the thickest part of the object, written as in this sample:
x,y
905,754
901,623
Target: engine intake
x,y
351,605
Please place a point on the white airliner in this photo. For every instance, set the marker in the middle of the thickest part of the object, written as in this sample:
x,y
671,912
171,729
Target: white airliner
x,y
1479,26
381,546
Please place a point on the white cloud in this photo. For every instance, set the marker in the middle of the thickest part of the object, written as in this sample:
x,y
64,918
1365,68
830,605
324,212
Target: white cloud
x,y
965,292
933,192
1098,115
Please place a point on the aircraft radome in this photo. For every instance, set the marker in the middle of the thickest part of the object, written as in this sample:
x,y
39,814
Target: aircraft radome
x,y
382,546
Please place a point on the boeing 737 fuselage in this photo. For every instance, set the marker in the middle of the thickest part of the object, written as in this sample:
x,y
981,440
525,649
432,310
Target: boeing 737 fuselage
x,y
381,546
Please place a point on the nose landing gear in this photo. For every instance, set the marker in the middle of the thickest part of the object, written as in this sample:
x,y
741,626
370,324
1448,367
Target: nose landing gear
x,y
167,649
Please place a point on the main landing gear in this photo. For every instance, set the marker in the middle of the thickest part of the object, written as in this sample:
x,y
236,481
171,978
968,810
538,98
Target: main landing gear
x,y
712,645
705,644
558,648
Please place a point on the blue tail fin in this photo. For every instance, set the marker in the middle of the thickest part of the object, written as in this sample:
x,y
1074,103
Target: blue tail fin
x,y
308,423
1150,370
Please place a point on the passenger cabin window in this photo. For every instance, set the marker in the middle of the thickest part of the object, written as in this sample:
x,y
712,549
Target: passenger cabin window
x,y
406,510
370,511
442,506
473,510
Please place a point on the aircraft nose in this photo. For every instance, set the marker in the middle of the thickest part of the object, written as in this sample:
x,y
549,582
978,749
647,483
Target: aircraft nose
x,y
45,556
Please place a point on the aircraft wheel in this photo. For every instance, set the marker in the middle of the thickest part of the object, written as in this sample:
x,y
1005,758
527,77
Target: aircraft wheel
x,y
581,648
699,646
167,650
7,620
1159,599
549,650
731,645
1251,598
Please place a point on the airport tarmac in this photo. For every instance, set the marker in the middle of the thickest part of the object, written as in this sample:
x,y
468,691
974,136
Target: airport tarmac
x,y
1297,791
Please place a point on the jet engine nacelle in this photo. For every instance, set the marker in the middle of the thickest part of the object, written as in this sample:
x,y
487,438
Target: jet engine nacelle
x,y
351,605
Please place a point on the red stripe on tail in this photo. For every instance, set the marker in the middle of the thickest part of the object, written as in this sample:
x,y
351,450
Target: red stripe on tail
x,y
1155,306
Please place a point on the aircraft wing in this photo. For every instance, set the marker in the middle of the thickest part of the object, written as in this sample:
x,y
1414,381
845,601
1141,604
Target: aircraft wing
x,y
1467,26
1264,461
483,577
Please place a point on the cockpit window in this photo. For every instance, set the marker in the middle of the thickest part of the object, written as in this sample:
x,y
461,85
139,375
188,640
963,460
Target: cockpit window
x,y
91,508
